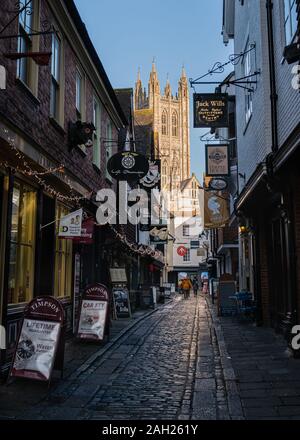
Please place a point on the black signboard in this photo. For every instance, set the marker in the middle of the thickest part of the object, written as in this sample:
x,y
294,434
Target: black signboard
x,y
121,302
128,166
211,110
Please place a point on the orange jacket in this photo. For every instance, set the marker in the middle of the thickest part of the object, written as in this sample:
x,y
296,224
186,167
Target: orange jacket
x,y
186,284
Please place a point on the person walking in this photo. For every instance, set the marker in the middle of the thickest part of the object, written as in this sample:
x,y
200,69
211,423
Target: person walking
x,y
195,286
186,286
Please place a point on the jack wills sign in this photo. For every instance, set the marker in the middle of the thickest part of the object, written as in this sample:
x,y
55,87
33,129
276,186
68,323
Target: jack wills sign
x,y
211,110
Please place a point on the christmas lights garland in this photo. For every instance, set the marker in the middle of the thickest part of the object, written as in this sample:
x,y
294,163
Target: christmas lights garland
x,y
28,171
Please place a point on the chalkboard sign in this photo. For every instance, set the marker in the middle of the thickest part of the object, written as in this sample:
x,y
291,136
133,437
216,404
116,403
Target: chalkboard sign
x,y
227,288
121,303
40,340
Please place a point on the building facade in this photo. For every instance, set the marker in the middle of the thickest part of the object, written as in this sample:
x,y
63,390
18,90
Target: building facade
x,y
268,141
46,172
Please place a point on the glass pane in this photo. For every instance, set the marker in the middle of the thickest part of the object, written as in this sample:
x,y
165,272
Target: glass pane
x,y
294,21
22,246
78,91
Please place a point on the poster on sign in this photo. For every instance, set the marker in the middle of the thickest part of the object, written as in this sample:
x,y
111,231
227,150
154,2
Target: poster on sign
x,y
93,319
36,349
40,340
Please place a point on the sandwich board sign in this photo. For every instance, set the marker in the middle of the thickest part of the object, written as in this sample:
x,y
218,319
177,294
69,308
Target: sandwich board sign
x,y
40,345
94,312
226,289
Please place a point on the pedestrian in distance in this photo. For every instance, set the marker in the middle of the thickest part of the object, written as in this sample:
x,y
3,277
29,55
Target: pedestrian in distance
x,y
195,286
186,286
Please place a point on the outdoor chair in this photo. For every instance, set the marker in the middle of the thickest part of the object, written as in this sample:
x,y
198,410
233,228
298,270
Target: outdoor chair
x,y
245,305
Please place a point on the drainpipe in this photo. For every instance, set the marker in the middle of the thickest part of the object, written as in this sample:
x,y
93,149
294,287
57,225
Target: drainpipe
x,y
273,96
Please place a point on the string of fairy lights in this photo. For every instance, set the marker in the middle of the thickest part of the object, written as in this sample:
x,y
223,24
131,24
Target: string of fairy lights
x,y
142,250
38,175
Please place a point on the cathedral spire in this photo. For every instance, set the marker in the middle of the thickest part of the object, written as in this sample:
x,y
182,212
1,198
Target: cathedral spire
x,y
153,65
168,92
183,72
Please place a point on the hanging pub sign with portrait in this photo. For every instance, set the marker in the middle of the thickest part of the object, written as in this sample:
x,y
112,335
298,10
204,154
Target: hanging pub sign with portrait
x,y
211,110
153,177
217,160
128,166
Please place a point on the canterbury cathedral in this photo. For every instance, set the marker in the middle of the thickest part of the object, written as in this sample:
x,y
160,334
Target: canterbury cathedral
x,y
162,127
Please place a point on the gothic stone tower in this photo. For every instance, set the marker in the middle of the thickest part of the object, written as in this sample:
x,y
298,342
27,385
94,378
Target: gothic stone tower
x,y
168,116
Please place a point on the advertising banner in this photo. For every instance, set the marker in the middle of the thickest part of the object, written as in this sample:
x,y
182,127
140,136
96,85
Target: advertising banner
x,y
40,345
217,160
216,212
71,224
92,320
94,310
36,349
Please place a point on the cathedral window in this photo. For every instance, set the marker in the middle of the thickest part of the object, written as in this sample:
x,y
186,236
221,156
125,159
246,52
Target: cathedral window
x,y
164,173
164,123
174,124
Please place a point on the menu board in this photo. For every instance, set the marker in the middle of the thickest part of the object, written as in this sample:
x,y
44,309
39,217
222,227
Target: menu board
x,y
118,275
35,352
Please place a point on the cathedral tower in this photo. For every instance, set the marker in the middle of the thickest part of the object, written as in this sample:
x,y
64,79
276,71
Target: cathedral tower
x,y
170,126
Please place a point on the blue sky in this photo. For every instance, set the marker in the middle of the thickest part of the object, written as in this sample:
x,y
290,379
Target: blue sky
x,y
128,33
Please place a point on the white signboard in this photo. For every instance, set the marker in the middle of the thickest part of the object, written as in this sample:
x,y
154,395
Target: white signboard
x,y
118,275
92,319
71,224
36,349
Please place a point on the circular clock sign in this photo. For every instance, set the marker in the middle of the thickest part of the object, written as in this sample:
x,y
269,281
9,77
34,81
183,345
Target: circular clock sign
x,y
218,184
128,165
182,251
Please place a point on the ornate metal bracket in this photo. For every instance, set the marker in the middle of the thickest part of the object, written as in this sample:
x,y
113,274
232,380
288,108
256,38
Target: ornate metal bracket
x,y
218,67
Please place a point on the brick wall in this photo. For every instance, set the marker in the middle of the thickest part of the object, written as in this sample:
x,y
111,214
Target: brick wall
x,y
30,116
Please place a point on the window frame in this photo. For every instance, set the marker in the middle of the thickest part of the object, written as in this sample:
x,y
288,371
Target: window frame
x,y
289,20
56,78
19,244
187,256
184,229
175,130
97,160
247,70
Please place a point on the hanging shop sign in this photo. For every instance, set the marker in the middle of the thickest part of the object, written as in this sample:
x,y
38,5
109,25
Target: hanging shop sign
x,y
81,133
159,234
217,160
216,212
128,166
218,184
152,178
2,78
211,110
121,303
87,232
41,340
93,319
182,251
201,252
71,224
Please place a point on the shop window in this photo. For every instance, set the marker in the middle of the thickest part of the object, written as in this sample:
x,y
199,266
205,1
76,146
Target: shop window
x,y
63,260
22,244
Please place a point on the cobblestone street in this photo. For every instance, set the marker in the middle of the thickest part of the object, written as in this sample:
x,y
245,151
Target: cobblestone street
x,y
181,362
